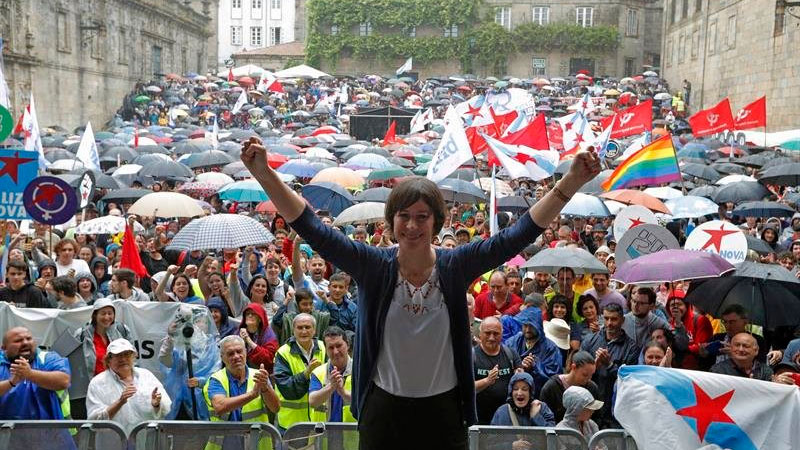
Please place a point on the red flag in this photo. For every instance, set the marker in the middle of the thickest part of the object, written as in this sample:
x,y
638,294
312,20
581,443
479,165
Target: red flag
x,y
712,120
555,134
230,74
533,135
503,121
391,137
476,142
135,137
19,129
753,115
275,86
634,120
130,254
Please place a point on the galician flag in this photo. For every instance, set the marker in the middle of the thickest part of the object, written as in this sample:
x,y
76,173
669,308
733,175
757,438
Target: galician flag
x,y
241,101
33,137
406,67
87,150
520,161
213,137
453,150
666,409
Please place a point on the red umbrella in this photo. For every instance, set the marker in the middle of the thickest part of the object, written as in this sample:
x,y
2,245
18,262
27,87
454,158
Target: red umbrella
x,y
161,139
199,133
276,160
731,151
246,81
266,207
327,129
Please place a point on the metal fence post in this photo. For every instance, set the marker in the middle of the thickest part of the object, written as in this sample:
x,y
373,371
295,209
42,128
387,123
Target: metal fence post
x,y
5,434
474,438
86,435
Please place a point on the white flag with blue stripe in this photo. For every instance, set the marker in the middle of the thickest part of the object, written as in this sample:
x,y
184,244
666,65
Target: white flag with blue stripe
x,y
523,162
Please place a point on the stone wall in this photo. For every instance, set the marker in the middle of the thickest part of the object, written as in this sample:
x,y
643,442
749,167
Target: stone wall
x,y
81,58
736,49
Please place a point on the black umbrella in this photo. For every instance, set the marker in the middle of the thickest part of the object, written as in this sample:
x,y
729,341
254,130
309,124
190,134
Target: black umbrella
x,y
192,146
783,175
757,245
152,149
402,162
764,290
378,194
514,203
757,160
729,168
166,169
121,152
209,158
55,153
701,171
126,195
763,209
240,135
776,162
455,190
464,174
146,159
593,186
742,191
707,191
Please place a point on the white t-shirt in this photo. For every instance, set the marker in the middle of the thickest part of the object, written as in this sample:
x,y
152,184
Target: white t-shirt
x,y
416,356
78,264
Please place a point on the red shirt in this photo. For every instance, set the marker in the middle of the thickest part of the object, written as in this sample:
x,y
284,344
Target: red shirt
x,y
100,346
484,305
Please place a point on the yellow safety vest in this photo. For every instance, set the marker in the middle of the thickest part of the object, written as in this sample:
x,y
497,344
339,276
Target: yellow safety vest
x,y
63,395
252,411
321,413
294,411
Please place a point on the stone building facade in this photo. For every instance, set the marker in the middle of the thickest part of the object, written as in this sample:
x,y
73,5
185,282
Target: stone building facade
x,y
741,49
80,58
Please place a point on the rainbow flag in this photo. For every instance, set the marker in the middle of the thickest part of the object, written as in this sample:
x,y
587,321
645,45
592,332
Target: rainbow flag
x,y
654,164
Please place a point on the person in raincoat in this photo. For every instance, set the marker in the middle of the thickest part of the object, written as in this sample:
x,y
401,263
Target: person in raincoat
x,y
219,312
579,405
521,409
205,361
545,357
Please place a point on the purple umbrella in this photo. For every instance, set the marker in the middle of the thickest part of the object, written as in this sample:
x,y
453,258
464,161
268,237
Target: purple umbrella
x,y
672,265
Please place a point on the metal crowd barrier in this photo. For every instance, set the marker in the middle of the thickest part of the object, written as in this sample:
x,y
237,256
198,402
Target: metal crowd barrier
x,y
328,436
61,435
612,440
190,435
493,437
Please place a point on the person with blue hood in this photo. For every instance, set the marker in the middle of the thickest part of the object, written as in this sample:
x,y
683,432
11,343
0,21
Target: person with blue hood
x,y
540,356
219,312
99,267
521,408
87,287
205,361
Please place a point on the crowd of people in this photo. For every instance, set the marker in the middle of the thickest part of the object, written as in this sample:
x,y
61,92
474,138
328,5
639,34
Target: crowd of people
x,y
422,318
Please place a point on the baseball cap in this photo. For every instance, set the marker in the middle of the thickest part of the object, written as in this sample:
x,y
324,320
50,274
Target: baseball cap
x,y
120,345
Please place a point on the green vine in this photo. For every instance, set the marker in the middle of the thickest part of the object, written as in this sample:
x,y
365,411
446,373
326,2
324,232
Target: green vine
x,y
487,43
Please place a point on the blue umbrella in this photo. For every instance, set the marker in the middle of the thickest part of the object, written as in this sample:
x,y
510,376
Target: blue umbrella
x,y
585,205
300,168
691,206
243,191
328,196
368,161
462,191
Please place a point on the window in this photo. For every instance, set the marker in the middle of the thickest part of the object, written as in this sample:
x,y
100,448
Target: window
x,y
63,32
632,24
502,16
236,35
698,5
365,29
275,4
540,15
451,31
584,16
629,67
681,48
672,11
255,8
255,36
411,32
695,43
539,67
122,46
275,9
334,30
685,9
731,40
712,37
275,36
155,59
236,9
236,4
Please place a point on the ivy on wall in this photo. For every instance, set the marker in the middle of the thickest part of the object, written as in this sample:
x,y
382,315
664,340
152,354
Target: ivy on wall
x,y
487,43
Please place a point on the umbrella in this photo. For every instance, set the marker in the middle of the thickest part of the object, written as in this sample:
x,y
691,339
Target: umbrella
x,y
779,161
167,169
141,99
121,152
501,187
514,203
244,191
388,173
783,175
221,231
663,193
700,171
729,168
103,181
166,204
732,151
462,191
301,168
707,191
266,207
366,212
672,265
340,175
464,174
769,301
691,206
378,194
200,188
368,161
192,146
757,160
662,96
552,259
217,178
55,154
328,196
741,192
584,205
125,195
763,209
593,186
758,245
791,144
733,179
633,197
106,225
208,158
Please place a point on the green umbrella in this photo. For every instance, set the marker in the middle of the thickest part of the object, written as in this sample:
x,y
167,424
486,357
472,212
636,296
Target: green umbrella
x,y
142,98
102,135
791,144
500,84
389,172
422,169
423,158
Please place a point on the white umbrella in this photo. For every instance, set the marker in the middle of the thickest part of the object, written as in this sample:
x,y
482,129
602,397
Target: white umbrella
x,y
317,152
650,73
214,177
502,189
662,96
366,212
166,204
127,169
734,179
143,141
221,231
106,225
663,193
66,165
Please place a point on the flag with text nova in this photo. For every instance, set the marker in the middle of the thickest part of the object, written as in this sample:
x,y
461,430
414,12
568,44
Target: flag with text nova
x,y
654,164
712,120
685,409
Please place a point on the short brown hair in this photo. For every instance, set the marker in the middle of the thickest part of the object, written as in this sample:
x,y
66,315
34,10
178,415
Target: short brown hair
x,y
66,241
411,190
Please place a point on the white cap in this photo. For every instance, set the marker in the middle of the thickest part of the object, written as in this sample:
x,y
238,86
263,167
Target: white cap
x,y
120,345
557,330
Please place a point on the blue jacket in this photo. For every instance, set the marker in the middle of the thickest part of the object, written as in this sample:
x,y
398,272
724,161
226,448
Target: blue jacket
x,y
375,270
548,355
502,417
